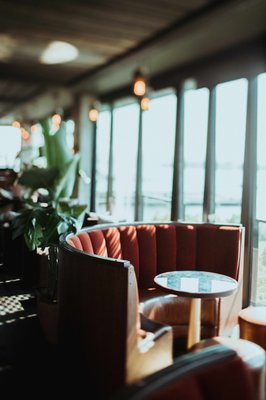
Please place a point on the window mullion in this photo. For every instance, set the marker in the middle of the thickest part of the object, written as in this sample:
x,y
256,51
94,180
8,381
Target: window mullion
x,y
109,195
138,192
209,185
248,212
177,207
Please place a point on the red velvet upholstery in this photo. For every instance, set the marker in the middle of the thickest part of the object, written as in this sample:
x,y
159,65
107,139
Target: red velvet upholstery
x,y
147,254
156,248
210,384
130,248
166,248
85,242
98,243
113,243
186,246
75,242
218,249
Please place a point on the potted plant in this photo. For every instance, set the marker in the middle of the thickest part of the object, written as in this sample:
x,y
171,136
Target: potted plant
x,y
48,209
41,224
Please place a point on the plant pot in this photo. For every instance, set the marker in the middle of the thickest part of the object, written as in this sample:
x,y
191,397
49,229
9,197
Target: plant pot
x,y
48,317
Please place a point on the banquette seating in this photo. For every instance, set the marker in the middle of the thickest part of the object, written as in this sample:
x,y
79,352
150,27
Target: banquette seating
x,y
106,277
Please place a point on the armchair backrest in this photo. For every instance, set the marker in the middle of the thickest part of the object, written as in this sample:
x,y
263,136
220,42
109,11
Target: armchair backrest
x,y
214,373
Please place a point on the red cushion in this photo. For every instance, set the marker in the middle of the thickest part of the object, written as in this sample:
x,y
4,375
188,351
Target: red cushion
x,y
186,389
130,247
166,248
186,236
231,381
75,242
98,243
218,249
113,244
147,254
85,242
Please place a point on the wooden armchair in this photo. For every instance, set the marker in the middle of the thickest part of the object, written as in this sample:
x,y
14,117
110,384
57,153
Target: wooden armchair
x,y
213,373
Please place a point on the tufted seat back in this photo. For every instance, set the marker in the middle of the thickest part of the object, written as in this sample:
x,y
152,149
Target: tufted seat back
x,y
157,248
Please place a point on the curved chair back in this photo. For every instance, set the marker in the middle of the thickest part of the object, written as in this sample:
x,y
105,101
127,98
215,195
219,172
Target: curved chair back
x,y
214,373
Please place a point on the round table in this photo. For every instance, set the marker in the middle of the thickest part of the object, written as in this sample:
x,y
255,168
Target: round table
x,y
197,285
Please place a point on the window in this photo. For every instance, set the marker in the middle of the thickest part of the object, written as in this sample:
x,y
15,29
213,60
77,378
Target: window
x,y
102,159
195,142
230,141
10,139
259,278
125,133
158,155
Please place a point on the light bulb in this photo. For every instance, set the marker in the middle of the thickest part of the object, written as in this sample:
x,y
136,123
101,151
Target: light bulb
x,y
139,84
93,115
33,128
16,124
25,134
56,120
145,103
139,87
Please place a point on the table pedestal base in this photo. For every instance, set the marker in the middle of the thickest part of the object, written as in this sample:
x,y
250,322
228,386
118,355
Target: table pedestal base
x,y
194,323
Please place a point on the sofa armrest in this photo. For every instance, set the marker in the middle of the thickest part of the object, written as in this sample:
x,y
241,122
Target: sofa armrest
x,y
154,350
149,333
149,325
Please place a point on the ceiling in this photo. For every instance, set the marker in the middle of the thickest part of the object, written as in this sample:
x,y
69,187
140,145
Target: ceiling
x,y
113,38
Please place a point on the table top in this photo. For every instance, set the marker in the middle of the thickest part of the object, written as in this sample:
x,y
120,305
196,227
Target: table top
x,y
197,284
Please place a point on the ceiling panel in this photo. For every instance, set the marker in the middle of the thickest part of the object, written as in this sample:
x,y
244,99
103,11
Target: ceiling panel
x,y
103,31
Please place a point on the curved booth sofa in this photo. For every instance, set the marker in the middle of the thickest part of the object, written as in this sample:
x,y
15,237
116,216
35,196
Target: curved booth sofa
x,y
106,282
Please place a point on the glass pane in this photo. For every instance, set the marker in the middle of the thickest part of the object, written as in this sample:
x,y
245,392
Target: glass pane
x,y
102,159
195,142
158,156
230,140
259,273
10,146
126,120
259,267
261,149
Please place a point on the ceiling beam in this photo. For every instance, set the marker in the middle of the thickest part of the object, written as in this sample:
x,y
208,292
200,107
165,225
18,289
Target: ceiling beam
x,y
226,25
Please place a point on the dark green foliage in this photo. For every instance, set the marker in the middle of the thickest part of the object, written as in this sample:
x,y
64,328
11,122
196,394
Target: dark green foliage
x,y
42,226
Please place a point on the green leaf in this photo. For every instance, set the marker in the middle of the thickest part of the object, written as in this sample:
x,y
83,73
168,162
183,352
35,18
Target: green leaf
x,y
75,210
33,237
36,178
57,150
65,183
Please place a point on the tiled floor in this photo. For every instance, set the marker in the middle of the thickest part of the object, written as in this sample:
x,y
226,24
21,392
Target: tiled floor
x,y
27,360
24,353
